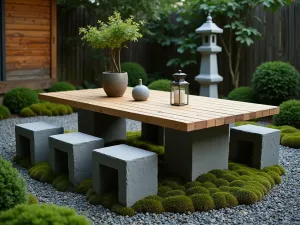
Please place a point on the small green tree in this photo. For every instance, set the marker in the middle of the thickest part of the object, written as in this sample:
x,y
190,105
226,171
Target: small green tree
x,y
113,36
238,16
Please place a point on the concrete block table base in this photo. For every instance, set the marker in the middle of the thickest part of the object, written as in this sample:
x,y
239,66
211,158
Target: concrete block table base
x,y
153,133
132,170
190,154
110,128
32,140
72,153
255,146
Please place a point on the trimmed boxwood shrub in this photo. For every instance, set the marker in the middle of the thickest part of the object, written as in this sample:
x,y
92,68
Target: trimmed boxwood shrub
x,y
135,72
62,86
202,202
160,85
19,98
4,112
12,186
289,114
37,214
149,205
178,204
275,82
123,211
242,94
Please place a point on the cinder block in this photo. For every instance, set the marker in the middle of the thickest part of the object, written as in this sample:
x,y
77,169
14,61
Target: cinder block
x,y
255,146
32,140
132,170
153,133
72,153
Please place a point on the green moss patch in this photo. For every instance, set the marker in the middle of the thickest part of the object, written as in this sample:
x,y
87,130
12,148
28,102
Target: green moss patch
x,y
84,186
149,205
123,211
178,204
202,202
32,199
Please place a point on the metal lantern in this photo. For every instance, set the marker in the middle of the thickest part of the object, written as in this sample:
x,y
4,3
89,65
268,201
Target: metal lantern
x,y
179,90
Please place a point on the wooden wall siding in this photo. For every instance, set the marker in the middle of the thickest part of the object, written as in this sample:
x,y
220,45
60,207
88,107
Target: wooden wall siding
x,y
28,39
281,41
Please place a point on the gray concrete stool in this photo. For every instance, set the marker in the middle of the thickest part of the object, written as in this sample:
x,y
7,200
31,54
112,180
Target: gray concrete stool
x,y
132,170
32,140
72,153
255,146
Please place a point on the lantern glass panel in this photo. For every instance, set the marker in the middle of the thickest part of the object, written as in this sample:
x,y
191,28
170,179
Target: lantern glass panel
x,y
179,94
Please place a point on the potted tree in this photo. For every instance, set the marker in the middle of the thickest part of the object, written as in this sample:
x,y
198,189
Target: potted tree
x,y
113,36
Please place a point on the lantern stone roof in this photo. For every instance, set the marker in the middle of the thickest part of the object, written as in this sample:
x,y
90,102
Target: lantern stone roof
x,y
209,27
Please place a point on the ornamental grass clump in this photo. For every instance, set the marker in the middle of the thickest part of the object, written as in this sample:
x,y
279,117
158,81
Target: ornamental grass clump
x,y
12,186
37,214
113,36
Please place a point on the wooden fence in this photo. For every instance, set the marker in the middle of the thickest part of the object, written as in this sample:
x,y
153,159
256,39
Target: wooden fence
x,y
280,41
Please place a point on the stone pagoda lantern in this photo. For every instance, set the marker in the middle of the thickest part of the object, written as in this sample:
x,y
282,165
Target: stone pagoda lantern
x,y
209,76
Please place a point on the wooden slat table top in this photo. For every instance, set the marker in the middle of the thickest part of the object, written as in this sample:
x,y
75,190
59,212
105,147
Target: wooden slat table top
x,y
201,113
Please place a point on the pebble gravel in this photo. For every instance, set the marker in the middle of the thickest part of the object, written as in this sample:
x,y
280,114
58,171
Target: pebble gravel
x,y
280,206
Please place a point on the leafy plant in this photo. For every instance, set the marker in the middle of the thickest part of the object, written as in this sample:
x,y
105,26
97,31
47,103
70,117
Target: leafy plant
x,y
12,187
243,94
19,98
135,72
113,36
160,85
37,214
275,82
61,86
289,114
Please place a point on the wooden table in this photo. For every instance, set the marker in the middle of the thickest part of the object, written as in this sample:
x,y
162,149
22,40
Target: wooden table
x,y
196,135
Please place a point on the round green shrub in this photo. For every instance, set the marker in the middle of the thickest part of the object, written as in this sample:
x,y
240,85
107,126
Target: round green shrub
x,y
289,130
27,112
275,176
257,191
171,184
197,190
242,94
264,181
32,199
246,178
273,169
202,202
164,189
291,140
213,190
242,172
84,186
245,196
135,72
217,172
270,179
289,114
191,184
230,177
178,180
149,205
237,183
234,166
19,98
282,170
259,185
12,186
231,201
174,193
221,182
61,86
233,173
123,211
275,82
4,112
160,85
224,188
154,197
37,214
208,184
219,200
109,199
206,177
178,204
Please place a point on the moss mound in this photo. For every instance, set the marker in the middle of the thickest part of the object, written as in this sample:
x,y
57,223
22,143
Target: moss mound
x,y
289,114
221,182
242,94
206,177
213,190
18,98
4,112
178,204
154,197
12,186
245,196
173,193
218,173
275,176
164,189
237,183
61,86
291,140
208,184
230,177
160,85
84,186
202,202
270,179
32,199
123,211
191,184
224,188
219,200
38,214
95,199
197,190
257,191
149,205
109,199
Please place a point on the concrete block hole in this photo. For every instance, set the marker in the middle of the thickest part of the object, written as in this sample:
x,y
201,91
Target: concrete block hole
x,y
61,160
245,155
109,179
25,147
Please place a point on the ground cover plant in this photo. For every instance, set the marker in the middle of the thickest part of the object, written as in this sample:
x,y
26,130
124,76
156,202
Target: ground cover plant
x,y
62,86
160,85
37,214
4,112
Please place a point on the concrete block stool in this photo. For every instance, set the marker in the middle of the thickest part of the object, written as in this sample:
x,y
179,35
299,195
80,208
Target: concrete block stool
x,y
255,146
132,170
72,153
32,140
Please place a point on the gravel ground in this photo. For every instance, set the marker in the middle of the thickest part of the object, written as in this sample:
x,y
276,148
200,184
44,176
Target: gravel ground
x,y
280,206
